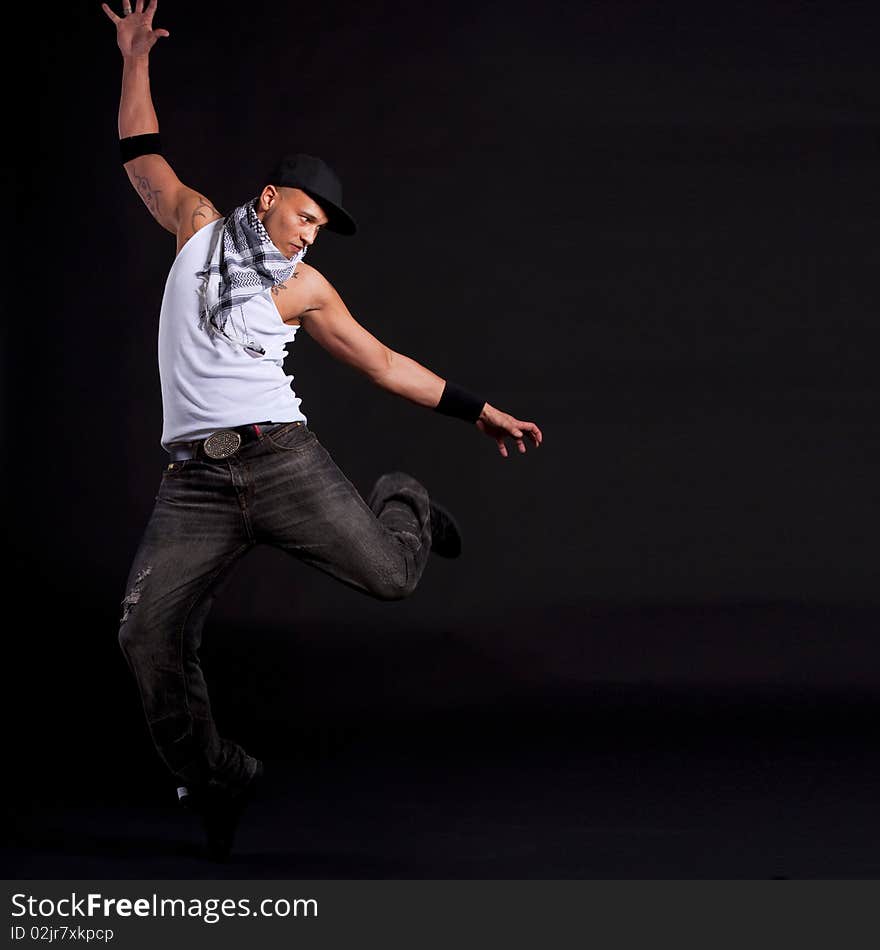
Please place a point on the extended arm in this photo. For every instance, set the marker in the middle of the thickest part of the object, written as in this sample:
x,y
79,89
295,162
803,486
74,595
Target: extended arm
x,y
178,208
329,322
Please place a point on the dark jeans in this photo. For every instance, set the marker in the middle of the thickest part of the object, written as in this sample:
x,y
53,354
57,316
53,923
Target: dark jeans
x,y
283,490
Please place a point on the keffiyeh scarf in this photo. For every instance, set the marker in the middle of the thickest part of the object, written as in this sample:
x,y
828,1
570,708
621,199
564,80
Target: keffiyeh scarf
x,y
243,263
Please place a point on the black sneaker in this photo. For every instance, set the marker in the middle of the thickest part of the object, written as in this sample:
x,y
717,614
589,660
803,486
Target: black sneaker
x,y
220,810
445,536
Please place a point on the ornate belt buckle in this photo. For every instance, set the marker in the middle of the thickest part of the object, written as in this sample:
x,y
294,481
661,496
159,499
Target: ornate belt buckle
x,y
222,444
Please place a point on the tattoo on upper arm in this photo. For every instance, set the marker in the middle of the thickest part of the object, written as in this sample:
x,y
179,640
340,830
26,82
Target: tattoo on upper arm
x,y
277,288
149,194
204,210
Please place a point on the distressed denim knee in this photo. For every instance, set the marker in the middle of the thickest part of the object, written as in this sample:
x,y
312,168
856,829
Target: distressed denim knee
x,y
133,595
128,628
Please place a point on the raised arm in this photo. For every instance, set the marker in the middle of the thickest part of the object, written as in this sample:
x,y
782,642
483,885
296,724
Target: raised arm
x,y
329,322
178,208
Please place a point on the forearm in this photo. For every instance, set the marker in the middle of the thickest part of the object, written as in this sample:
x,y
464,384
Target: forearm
x,y
136,113
405,377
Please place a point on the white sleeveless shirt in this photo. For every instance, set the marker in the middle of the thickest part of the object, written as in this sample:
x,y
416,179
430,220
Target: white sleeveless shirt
x,y
210,383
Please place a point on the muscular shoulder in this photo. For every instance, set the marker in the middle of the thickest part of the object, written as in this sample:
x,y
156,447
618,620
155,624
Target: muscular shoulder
x,y
306,289
194,211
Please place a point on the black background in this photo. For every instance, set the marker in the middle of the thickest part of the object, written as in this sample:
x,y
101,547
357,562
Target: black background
x,y
649,228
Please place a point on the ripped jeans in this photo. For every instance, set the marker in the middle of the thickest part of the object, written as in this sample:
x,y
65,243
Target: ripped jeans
x,y
284,490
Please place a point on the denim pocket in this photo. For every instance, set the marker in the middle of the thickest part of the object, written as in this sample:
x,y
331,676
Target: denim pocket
x,y
289,437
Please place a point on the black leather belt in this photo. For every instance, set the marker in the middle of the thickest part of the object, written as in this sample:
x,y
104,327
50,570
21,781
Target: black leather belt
x,y
224,442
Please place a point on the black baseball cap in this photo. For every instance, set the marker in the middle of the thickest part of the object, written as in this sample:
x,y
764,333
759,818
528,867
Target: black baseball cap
x,y
318,180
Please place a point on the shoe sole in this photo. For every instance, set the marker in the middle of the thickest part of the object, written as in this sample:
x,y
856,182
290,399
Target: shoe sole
x,y
450,547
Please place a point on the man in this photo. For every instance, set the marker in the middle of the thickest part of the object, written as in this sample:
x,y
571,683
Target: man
x,y
244,468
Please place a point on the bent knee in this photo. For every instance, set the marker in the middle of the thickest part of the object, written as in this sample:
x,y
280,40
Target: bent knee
x,y
128,636
392,588
136,634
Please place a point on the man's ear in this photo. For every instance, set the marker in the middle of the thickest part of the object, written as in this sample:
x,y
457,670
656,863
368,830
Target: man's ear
x,y
268,196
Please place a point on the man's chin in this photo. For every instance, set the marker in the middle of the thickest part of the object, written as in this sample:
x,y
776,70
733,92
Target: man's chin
x,y
290,252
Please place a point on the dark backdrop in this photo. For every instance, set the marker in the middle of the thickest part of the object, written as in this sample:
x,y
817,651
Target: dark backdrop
x,y
650,228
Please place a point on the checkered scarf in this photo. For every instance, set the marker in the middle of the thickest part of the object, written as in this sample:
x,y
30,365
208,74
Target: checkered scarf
x,y
243,263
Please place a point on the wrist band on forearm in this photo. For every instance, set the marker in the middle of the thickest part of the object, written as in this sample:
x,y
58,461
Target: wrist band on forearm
x,y
460,403
136,145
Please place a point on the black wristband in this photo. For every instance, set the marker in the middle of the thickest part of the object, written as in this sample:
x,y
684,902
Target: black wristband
x,y
136,145
460,403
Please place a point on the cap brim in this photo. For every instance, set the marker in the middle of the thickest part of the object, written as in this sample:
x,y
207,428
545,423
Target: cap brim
x,y
339,221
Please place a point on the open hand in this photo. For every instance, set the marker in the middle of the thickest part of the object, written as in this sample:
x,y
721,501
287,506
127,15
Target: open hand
x,y
499,426
134,30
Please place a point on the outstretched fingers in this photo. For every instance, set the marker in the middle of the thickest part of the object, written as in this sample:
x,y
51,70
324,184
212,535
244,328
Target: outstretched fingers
x,y
135,30
111,14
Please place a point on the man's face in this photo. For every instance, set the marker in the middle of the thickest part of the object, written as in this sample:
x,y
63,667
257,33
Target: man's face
x,y
291,218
